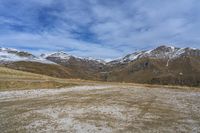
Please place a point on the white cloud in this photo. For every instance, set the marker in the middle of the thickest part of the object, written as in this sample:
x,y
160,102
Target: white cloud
x,y
48,42
99,28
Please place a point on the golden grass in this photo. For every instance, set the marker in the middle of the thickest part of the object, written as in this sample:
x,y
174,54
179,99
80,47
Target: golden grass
x,y
10,73
14,79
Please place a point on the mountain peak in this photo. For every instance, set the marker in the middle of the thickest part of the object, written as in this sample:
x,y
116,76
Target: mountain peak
x,y
166,48
60,54
161,52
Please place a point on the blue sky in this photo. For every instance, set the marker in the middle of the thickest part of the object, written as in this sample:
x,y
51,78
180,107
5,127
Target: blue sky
x,y
98,28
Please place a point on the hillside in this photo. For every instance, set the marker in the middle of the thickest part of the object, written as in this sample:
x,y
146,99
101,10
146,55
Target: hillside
x,y
163,65
182,71
58,64
14,79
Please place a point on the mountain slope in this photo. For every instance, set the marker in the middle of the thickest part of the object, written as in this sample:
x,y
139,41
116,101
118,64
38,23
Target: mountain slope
x,y
163,65
162,52
14,79
84,68
58,64
40,68
21,60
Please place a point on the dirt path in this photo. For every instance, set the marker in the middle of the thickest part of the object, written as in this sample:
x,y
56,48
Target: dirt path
x,y
101,109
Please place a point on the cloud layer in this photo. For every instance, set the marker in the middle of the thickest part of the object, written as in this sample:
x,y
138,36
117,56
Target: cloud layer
x,y
98,28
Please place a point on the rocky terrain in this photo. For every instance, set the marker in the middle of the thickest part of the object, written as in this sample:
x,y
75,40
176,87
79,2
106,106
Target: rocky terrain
x,y
101,109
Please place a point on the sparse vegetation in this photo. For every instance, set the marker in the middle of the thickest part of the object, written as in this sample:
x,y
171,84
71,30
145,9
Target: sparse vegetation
x,y
100,108
89,106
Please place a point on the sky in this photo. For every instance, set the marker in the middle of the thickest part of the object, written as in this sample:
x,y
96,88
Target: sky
x,y
103,29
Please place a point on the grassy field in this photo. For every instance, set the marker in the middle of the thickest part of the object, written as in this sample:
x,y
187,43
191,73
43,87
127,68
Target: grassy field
x,y
14,80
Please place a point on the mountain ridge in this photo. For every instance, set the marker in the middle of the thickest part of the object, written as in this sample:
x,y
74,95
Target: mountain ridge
x,y
172,52
162,65
163,52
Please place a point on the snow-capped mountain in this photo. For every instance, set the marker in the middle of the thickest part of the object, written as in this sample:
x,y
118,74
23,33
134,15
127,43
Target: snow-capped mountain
x,y
92,59
162,65
61,55
64,57
162,52
13,55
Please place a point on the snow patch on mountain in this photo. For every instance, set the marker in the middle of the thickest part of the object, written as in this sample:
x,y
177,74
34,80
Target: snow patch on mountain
x,y
65,57
62,55
162,52
92,59
178,52
134,56
13,55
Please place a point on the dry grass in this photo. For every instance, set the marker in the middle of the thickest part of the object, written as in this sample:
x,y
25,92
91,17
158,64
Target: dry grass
x,y
14,79
5,85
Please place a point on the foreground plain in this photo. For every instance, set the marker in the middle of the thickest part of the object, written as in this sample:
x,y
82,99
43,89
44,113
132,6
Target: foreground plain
x,y
100,108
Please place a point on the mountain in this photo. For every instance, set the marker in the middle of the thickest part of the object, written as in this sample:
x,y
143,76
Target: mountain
x,y
58,64
64,57
21,60
86,68
162,52
162,65
13,55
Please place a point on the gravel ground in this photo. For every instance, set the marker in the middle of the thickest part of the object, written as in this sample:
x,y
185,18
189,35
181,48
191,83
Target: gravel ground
x,y
101,108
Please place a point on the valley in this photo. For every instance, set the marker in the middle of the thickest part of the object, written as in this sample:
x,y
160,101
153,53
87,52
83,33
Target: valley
x,y
99,66
38,103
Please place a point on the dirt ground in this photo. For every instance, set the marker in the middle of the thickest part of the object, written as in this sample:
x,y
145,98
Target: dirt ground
x,y
100,108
